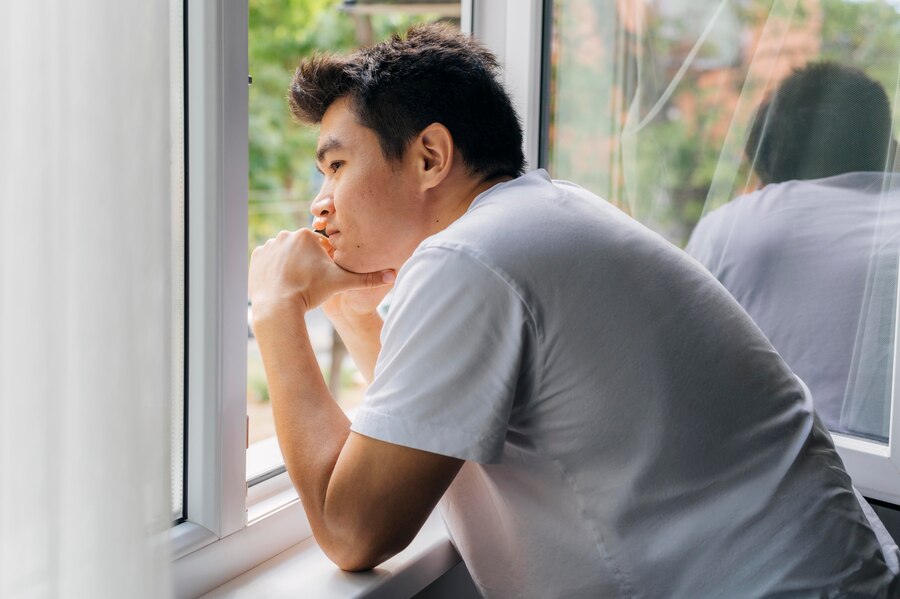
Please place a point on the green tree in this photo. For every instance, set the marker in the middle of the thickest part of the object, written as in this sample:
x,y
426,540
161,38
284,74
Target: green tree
x,y
282,32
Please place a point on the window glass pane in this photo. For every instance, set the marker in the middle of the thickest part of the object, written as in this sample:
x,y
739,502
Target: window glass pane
x,y
178,107
759,135
283,176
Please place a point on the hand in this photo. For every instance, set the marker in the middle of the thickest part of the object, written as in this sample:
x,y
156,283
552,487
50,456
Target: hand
x,y
353,304
295,270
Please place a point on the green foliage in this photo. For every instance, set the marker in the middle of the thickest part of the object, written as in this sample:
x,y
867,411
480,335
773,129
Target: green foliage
x,y
282,32
258,390
864,34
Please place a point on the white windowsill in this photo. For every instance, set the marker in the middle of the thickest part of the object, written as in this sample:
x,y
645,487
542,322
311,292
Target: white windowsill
x,y
304,570
277,531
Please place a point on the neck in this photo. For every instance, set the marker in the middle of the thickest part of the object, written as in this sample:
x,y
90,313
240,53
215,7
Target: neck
x,y
460,198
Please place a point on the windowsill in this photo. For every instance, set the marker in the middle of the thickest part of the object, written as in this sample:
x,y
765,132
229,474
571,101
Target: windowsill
x,y
305,569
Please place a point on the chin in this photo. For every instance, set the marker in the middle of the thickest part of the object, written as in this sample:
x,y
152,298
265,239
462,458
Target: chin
x,y
355,264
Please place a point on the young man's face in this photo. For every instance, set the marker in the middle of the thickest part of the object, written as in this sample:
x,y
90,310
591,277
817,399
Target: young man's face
x,y
370,208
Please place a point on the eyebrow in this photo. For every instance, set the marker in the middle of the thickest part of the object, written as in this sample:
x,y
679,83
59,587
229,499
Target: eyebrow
x,y
332,143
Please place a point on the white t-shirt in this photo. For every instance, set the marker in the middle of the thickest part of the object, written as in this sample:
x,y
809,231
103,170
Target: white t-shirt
x,y
628,431
814,263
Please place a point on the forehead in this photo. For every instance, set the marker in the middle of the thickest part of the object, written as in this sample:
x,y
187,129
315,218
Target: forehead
x,y
341,129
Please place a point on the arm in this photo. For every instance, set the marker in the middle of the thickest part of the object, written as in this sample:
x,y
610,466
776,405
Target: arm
x,y
365,499
360,331
354,315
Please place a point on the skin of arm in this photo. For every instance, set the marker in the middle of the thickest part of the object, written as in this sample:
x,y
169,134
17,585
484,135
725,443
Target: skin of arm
x,y
354,314
365,499
362,336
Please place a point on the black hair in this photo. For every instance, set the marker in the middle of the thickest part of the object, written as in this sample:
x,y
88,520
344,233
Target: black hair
x,y
434,74
823,120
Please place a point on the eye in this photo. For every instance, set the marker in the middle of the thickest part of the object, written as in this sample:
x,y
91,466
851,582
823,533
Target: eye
x,y
334,166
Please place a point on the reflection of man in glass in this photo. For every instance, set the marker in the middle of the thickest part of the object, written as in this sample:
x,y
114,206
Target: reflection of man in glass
x,y
812,254
594,413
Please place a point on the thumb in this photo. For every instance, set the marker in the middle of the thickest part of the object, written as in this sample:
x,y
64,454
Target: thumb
x,y
352,280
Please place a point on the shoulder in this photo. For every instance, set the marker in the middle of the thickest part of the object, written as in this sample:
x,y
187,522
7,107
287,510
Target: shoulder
x,y
457,283
500,228
446,265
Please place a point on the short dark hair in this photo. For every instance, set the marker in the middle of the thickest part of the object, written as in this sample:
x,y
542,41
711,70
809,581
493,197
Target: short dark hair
x,y
434,74
823,120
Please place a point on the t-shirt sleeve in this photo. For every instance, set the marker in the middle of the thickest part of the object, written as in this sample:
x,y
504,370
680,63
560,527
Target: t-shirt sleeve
x,y
454,359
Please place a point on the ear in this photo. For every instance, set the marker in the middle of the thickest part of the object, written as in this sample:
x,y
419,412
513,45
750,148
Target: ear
x,y
434,153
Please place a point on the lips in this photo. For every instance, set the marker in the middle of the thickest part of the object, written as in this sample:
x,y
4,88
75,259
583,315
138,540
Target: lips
x,y
320,226
329,233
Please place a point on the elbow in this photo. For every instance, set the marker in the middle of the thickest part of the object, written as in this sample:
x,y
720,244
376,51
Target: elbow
x,y
358,539
357,563
357,559
363,552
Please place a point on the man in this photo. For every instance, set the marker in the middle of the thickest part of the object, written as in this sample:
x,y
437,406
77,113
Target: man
x,y
596,415
812,255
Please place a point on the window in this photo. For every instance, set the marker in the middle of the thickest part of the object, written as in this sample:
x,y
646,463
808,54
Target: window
x,y
249,173
760,136
648,104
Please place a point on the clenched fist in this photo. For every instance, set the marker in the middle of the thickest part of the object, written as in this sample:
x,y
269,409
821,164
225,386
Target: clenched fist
x,y
295,270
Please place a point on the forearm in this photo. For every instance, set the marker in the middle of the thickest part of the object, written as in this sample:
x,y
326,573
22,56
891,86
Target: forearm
x,y
362,336
311,428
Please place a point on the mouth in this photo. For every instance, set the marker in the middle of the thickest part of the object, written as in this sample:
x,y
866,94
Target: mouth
x,y
325,233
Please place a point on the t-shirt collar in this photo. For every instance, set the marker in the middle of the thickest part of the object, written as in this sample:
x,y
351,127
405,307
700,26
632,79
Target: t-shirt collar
x,y
530,177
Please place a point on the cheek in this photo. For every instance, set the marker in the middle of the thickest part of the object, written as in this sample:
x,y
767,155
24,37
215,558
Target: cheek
x,y
371,217
369,210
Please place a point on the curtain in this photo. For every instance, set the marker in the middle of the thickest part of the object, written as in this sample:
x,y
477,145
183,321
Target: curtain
x,y
85,298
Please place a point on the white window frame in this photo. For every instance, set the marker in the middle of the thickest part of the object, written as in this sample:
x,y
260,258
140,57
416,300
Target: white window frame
x,y
513,30
215,543
875,467
217,290
227,530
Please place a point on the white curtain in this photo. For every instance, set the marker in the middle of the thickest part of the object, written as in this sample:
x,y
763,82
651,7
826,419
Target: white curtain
x,y
85,315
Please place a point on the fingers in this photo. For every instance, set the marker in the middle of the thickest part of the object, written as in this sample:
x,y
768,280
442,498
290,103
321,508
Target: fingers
x,y
326,245
302,263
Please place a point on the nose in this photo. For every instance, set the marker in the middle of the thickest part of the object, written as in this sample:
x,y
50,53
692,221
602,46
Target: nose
x,y
323,205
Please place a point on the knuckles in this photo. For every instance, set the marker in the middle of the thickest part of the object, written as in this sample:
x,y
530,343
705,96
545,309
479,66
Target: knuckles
x,y
288,242
287,237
